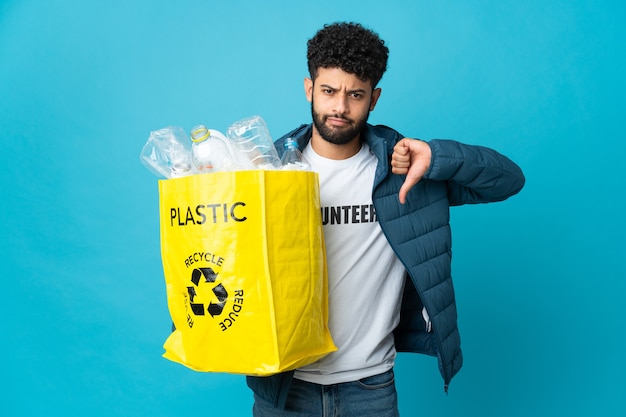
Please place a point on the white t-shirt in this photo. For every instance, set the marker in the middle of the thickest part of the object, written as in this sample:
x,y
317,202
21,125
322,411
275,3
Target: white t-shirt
x,y
365,276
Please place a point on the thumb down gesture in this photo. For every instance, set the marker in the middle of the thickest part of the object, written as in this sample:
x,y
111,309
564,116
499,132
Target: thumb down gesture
x,y
410,157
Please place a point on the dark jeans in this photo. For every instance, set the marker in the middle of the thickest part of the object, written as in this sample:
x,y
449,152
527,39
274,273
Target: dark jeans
x,y
374,396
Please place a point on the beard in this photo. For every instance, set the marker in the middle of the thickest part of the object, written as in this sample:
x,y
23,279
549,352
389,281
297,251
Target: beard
x,y
335,135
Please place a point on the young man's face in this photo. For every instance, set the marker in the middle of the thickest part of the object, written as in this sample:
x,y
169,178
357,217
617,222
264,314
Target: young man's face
x,y
340,104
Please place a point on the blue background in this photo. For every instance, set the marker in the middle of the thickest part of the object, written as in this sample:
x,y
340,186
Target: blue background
x,y
540,278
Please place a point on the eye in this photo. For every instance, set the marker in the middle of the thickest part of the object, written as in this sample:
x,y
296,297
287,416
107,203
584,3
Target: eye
x,y
356,95
328,91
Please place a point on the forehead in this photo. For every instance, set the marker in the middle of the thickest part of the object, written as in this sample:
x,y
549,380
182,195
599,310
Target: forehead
x,y
338,78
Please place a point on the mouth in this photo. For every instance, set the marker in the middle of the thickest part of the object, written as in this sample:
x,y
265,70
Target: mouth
x,y
337,121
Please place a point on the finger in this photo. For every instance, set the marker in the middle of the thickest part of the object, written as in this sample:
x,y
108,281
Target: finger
x,y
401,148
401,163
408,183
401,152
415,173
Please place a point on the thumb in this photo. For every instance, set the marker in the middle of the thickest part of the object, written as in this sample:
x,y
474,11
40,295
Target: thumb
x,y
415,174
404,190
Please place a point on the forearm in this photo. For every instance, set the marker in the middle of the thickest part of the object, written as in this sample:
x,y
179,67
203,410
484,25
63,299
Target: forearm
x,y
475,174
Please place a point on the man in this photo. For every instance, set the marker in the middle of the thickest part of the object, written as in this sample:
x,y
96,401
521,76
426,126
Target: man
x,y
389,252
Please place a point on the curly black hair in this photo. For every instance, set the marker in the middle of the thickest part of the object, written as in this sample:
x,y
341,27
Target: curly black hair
x,y
350,47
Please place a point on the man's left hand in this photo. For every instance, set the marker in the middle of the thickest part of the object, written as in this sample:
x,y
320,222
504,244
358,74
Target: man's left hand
x,y
410,157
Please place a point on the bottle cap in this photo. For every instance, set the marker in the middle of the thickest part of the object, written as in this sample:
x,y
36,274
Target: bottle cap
x,y
289,142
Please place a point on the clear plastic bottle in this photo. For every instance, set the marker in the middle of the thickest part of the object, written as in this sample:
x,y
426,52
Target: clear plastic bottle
x,y
181,166
167,153
292,158
210,151
251,138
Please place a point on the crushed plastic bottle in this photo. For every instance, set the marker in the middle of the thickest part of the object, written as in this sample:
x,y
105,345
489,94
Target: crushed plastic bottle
x,y
251,138
167,153
292,158
211,151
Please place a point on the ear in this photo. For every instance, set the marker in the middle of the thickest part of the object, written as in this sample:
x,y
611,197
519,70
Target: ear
x,y
308,89
375,96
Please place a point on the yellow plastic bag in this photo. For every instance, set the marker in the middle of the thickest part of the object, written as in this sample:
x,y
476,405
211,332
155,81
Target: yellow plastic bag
x,y
245,271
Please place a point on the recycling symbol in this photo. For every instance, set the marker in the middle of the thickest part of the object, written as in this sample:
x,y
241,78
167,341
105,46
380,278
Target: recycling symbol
x,y
214,309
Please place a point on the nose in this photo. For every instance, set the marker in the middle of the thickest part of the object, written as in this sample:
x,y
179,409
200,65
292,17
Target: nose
x,y
341,104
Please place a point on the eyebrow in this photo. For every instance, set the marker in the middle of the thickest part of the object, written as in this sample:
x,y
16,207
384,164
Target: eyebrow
x,y
357,90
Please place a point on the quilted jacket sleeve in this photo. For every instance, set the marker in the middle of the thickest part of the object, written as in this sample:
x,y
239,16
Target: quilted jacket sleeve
x,y
474,174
